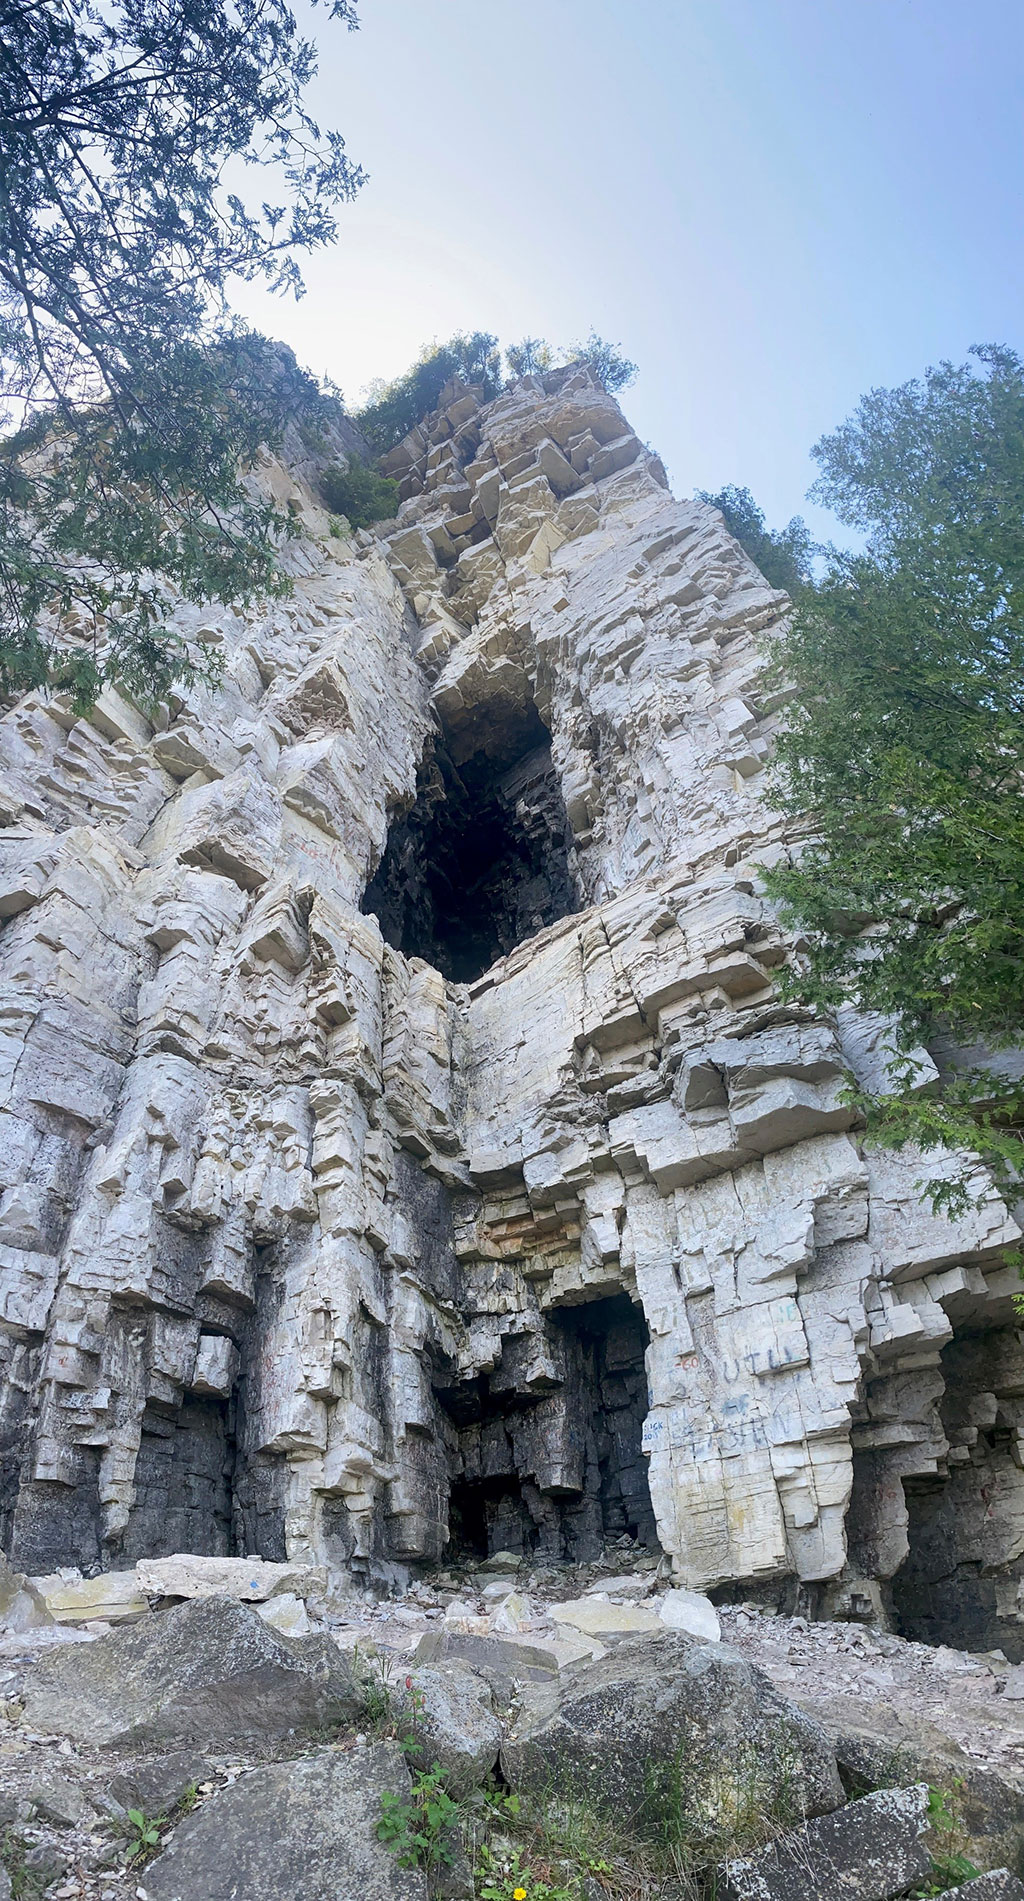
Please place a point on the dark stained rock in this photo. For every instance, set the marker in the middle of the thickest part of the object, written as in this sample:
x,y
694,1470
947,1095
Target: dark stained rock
x,y
880,1745
671,1719
296,1829
457,1726
208,1671
156,1784
868,1851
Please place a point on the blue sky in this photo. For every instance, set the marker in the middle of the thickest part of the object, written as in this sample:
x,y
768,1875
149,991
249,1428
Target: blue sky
x,y
773,205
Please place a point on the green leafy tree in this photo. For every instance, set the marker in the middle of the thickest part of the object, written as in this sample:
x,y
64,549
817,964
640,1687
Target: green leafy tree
x,y
782,554
904,749
531,357
358,493
133,406
606,361
534,357
394,408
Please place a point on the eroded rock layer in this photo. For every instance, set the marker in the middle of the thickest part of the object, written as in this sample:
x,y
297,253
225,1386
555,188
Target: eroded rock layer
x,y
403,1141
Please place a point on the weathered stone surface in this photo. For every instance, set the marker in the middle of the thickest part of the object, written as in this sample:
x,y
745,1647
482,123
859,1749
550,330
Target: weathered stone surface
x,y
157,1783
346,1228
58,1801
248,1579
666,1707
999,1885
114,1597
458,1725
22,1605
869,1851
692,1612
876,1744
597,1617
209,1671
305,1828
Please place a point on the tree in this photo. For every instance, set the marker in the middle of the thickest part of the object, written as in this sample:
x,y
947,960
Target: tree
x,y
358,493
531,357
782,554
604,360
134,406
395,408
905,745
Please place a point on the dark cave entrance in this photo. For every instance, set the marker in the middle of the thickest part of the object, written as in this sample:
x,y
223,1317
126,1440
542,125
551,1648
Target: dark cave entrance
x,y
547,1448
184,1476
481,861
962,1580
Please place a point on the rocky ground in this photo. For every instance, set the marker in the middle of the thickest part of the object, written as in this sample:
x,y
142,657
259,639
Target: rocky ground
x,y
219,1715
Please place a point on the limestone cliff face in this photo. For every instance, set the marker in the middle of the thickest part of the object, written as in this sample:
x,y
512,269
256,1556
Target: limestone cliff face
x,y
402,1137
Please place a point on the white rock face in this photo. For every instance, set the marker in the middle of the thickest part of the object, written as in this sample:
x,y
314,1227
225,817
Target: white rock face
x,y
310,1252
247,1579
693,1612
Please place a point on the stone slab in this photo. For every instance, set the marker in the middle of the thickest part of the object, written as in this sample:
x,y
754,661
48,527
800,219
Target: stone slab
x,y
305,1828
868,1851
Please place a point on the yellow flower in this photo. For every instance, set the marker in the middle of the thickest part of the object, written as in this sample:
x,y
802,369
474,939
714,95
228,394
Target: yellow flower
x,y
519,1894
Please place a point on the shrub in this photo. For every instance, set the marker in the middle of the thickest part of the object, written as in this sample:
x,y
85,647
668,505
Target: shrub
x,y
358,493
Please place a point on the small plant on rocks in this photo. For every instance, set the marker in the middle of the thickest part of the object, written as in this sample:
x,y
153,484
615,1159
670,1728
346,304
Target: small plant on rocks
x,y
417,1829
950,1866
142,1834
503,1876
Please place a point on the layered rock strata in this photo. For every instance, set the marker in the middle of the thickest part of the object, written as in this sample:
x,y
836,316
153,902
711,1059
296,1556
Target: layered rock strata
x,y
404,1144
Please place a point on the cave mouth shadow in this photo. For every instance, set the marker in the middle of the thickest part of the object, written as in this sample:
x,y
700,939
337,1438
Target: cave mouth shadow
x,y
481,860
555,1472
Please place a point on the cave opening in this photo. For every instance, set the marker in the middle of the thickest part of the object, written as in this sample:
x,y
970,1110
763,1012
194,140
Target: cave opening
x,y
961,1582
184,1475
481,860
547,1448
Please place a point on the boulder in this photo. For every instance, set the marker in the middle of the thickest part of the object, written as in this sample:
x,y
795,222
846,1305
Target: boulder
x,y
206,1671
286,1613
250,1580
693,1612
880,1742
495,1657
156,1784
868,1851
304,1828
458,1726
21,1605
599,1617
114,1597
58,1801
667,1718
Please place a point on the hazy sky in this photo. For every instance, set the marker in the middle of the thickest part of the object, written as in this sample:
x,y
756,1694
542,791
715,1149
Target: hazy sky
x,y
773,205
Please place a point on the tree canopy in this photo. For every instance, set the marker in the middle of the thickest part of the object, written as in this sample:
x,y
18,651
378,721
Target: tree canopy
x,y
133,405
903,747
782,554
392,409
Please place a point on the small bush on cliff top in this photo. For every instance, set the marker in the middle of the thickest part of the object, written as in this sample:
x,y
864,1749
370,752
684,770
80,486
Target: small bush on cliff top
x,y
395,408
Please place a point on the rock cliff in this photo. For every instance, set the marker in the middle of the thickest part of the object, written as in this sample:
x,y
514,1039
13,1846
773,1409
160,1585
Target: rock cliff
x,y
404,1147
